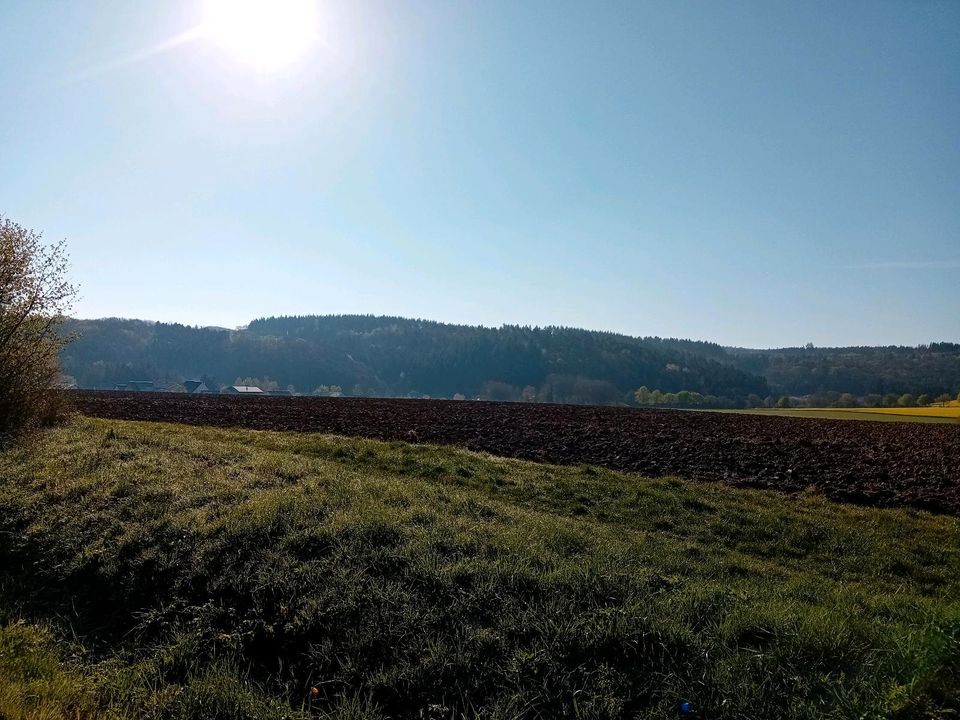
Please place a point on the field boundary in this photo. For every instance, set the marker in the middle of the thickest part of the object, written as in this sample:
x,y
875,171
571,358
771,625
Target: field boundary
x,y
942,415
869,463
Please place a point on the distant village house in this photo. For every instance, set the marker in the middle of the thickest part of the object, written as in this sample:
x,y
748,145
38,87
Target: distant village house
x,y
243,390
197,387
136,385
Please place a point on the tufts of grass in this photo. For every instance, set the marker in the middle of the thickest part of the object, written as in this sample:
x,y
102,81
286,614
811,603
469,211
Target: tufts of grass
x,y
164,571
34,681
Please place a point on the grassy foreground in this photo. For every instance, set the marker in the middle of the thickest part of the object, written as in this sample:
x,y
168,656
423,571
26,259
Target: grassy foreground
x,y
164,571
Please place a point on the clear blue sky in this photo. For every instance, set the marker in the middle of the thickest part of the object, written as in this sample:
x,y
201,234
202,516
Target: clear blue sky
x,y
754,173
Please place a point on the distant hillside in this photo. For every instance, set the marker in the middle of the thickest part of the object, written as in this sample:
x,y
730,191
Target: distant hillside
x,y
391,356
932,369
396,356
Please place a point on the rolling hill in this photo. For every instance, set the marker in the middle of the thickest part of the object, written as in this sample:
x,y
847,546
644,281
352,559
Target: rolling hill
x,y
392,356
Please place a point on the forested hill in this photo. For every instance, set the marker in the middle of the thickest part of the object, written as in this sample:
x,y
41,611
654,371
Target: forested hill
x,y
928,369
395,356
392,356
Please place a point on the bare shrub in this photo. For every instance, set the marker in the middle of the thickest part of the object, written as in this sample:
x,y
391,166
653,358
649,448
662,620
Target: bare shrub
x,y
34,295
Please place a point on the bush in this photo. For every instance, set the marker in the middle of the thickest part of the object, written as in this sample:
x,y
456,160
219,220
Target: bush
x,y
34,295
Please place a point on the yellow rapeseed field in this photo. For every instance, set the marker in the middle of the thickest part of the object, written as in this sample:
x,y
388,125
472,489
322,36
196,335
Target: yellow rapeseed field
x,y
950,411
930,414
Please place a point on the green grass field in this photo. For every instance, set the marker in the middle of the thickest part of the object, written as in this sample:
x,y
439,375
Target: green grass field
x,y
165,571
947,414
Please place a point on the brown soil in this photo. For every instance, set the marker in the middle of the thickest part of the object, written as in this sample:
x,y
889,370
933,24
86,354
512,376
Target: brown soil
x,y
871,463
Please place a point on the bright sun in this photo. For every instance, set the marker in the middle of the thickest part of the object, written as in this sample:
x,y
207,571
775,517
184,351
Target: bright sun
x,y
267,34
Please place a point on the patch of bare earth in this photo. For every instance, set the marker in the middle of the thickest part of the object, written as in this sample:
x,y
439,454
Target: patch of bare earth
x,y
882,464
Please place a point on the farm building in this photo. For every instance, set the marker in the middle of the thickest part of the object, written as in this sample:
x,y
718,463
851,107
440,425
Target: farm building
x,y
196,387
137,385
243,390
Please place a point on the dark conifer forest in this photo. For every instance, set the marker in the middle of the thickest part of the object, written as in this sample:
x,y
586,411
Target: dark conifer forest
x,y
391,356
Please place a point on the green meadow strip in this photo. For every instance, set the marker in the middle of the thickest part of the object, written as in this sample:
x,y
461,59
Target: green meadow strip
x,y
156,570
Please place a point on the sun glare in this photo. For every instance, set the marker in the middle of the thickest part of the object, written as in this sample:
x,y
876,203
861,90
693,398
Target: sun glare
x,y
266,34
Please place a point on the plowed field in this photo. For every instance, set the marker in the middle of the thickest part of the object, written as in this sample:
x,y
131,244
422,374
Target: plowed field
x,y
884,464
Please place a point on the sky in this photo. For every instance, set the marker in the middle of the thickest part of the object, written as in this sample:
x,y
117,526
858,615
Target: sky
x,y
752,173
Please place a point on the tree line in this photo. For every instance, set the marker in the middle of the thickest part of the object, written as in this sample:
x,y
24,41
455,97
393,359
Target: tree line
x,y
932,369
398,357
687,399
387,356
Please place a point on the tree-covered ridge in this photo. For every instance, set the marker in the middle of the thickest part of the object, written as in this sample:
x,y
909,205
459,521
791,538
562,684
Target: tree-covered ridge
x,y
932,369
397,356
392,356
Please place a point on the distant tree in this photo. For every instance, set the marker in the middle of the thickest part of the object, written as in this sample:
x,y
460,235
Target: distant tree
x,y
906,400
34,296
587,391
642,395
924,399
784,402
266,384
943,398
459,396
958,397
753,400
689,399
890,400
529,394
873,400
848,400
769,401
545,393
497,390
